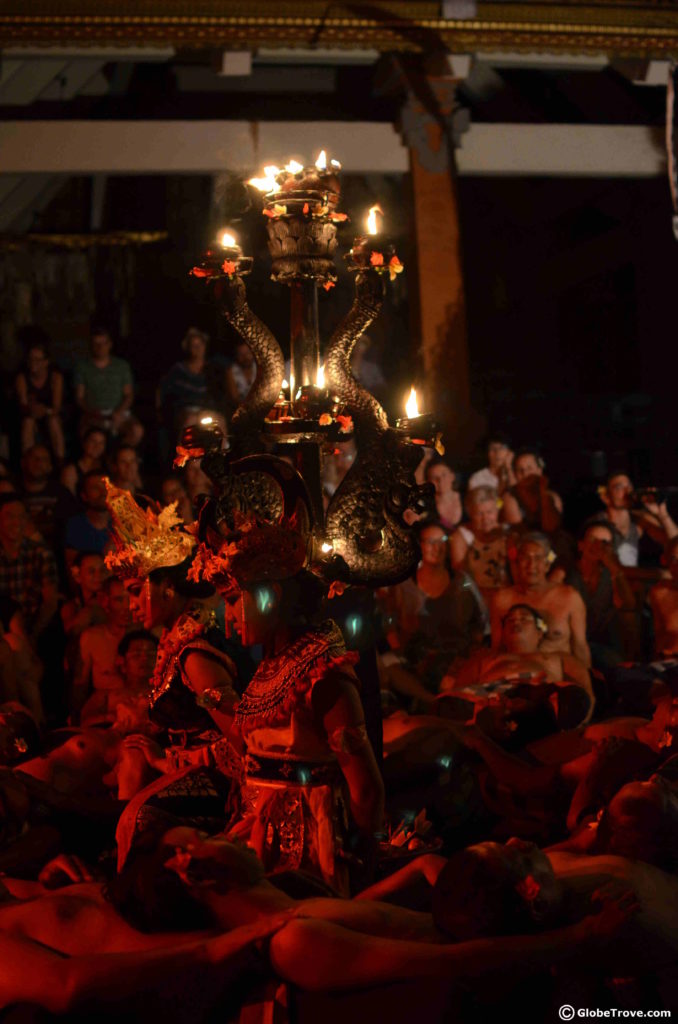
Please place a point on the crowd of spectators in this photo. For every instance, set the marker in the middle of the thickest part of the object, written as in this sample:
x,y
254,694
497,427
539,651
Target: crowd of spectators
x,y
527,686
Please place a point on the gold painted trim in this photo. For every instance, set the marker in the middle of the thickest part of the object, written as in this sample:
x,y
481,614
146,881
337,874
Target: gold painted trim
x,y
638,28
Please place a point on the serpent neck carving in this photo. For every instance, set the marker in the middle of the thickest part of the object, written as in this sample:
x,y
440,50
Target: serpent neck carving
x,y
366,411
372,542
248,419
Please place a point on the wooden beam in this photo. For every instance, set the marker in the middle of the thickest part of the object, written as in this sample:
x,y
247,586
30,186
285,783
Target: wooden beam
x,y
209,147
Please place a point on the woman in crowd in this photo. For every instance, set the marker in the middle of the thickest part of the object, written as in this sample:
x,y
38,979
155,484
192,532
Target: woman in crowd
x,y
90,459
449,509
529,501
39,391
481,547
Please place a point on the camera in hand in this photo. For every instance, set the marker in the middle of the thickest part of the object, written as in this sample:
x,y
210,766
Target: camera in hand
x,y
651,496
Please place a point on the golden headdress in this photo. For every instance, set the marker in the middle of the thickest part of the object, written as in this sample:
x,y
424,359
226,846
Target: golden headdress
x,y
144,540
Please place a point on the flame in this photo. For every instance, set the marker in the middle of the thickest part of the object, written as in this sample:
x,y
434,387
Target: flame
x,y
294,167
320,376
228,240
321,162
373,224
206,421
268,182
284,385
411,406
326,548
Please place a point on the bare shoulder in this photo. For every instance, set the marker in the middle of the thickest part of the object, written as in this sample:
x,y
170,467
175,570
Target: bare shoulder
x,y
503,597
566,594
662,590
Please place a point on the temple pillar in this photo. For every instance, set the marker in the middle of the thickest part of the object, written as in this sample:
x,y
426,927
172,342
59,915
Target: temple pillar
x,y
431,124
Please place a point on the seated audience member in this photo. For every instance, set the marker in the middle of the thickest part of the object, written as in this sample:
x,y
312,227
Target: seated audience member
x,y
28,571
83,610
519,657
240,374
449,510
39,390
104,389
434,618
195,481
91,459
617,495
600,581
184,388
126,707
98,650
559,605
124,468
663,599
48,503
366,369
28,667
173,490
480,548
530,502
498,474
89,530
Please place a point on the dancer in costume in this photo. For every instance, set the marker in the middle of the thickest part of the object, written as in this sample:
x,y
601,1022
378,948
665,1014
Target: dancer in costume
x,y
310,772
193,694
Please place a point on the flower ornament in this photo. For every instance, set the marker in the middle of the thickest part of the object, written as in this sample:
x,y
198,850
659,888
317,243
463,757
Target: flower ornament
x,y
184,455
528,888
394,267
377,259
666,739
337,588
229,268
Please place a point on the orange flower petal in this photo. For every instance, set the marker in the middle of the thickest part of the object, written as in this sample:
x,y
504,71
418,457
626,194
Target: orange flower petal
x,y
228,267
328,285
377,259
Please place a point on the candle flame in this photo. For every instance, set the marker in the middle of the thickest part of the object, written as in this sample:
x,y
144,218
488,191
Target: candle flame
x,y
206,421
373,223
294,167
326,548
321,162
411,405
268,182
320,376
228,240
284,385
